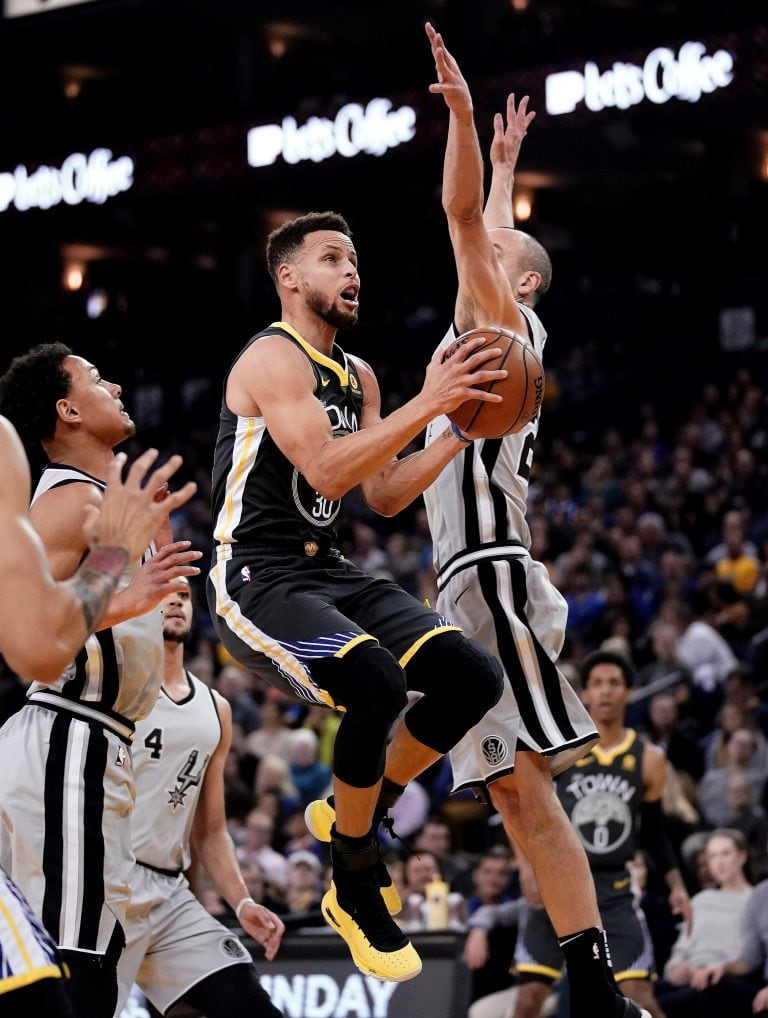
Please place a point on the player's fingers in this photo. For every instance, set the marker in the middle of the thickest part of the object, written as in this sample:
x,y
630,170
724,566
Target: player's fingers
x,y
115,468
166,471
481,356
483,396
140,468
178,498
483,376
174,548
469,346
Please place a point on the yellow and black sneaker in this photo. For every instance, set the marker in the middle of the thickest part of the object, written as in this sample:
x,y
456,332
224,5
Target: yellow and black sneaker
x,y
320,816
353,906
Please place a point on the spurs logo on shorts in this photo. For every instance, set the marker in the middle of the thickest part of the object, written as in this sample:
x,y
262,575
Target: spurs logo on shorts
x,y
494,749
232,948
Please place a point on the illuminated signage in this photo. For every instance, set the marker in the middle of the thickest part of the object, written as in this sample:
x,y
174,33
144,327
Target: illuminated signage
x,y
372,129
80,178
322,994
17,8
664,75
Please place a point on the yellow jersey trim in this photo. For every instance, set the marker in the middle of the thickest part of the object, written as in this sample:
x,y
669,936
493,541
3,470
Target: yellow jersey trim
x,y
423,639
27,978
605,757
354,643
538,970
315,355
631,974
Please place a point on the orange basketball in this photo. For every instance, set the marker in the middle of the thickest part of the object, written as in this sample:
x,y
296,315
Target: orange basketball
x,y
522,390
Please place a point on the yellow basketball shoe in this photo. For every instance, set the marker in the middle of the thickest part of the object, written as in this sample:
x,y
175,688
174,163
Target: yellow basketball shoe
x,y
320,816
354,908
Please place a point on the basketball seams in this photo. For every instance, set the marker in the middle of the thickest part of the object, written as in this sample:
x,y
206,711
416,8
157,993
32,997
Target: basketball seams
x,y
489,388
521,390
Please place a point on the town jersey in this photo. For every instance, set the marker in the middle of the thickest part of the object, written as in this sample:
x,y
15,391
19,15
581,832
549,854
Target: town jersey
x,y
171,751
119,669
259,498
602,794
479,497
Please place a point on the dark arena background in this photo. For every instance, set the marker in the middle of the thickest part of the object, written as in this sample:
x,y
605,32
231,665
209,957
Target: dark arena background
x,y
148,147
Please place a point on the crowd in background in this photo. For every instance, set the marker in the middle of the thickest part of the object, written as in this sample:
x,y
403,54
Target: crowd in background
x,y
656,532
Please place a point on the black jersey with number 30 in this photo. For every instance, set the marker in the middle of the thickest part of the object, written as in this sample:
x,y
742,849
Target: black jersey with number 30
x,y
259,498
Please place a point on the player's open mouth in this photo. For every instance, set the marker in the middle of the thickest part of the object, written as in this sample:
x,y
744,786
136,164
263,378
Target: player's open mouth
x,y
349,296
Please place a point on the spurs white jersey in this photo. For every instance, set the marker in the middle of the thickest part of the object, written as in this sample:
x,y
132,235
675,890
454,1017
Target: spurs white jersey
x,y
171,751
119,670
478,501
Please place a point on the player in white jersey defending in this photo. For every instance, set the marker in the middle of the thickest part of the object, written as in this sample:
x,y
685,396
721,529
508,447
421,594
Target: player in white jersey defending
x,y
66,788
487,581
175,950
42,624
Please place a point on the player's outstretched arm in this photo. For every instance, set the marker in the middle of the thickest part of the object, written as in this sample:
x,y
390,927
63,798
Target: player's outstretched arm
x,y
215,851
43,623
505,150
484,294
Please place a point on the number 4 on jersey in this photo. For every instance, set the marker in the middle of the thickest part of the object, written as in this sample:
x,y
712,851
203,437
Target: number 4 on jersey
x,y
154,742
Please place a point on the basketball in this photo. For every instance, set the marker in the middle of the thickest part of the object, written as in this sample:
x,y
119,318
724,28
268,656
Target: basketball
x,y
521,391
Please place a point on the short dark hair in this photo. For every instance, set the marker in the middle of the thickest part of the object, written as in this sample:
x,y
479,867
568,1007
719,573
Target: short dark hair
x,y
539,261
285,240
31,387
605,657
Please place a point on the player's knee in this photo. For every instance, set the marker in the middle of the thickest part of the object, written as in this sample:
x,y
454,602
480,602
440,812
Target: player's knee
x,y
234,990
461,671
506,799
370,684
374,683
460,682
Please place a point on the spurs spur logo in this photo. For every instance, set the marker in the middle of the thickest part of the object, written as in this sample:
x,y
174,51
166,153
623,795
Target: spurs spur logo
x,y
494,749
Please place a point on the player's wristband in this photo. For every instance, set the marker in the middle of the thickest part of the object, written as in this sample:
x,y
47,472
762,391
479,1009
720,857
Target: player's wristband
x,y
241,904
458,434
111,561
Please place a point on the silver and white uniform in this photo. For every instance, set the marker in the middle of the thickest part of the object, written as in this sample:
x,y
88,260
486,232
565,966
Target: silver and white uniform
x,y
489,585
66,784
172,942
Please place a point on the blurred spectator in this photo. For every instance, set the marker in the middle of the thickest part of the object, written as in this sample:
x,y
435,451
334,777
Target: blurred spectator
x,y
735,559
740,752
273,735
434,836
310,777
273,782
256,850
740,985
731,718
715,935
664,728
234,683
303,891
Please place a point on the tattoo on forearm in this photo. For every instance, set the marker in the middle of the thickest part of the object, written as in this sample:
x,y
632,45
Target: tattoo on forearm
x,y
96,580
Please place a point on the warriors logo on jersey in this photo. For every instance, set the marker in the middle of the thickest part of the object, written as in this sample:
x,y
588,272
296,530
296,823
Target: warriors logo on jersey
x,y
602,796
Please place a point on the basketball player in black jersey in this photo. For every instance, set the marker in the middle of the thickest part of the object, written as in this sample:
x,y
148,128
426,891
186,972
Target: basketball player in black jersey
x,y
609,795
300,426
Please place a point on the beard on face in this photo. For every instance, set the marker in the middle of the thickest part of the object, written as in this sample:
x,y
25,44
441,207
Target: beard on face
x,y
328,311
175,636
